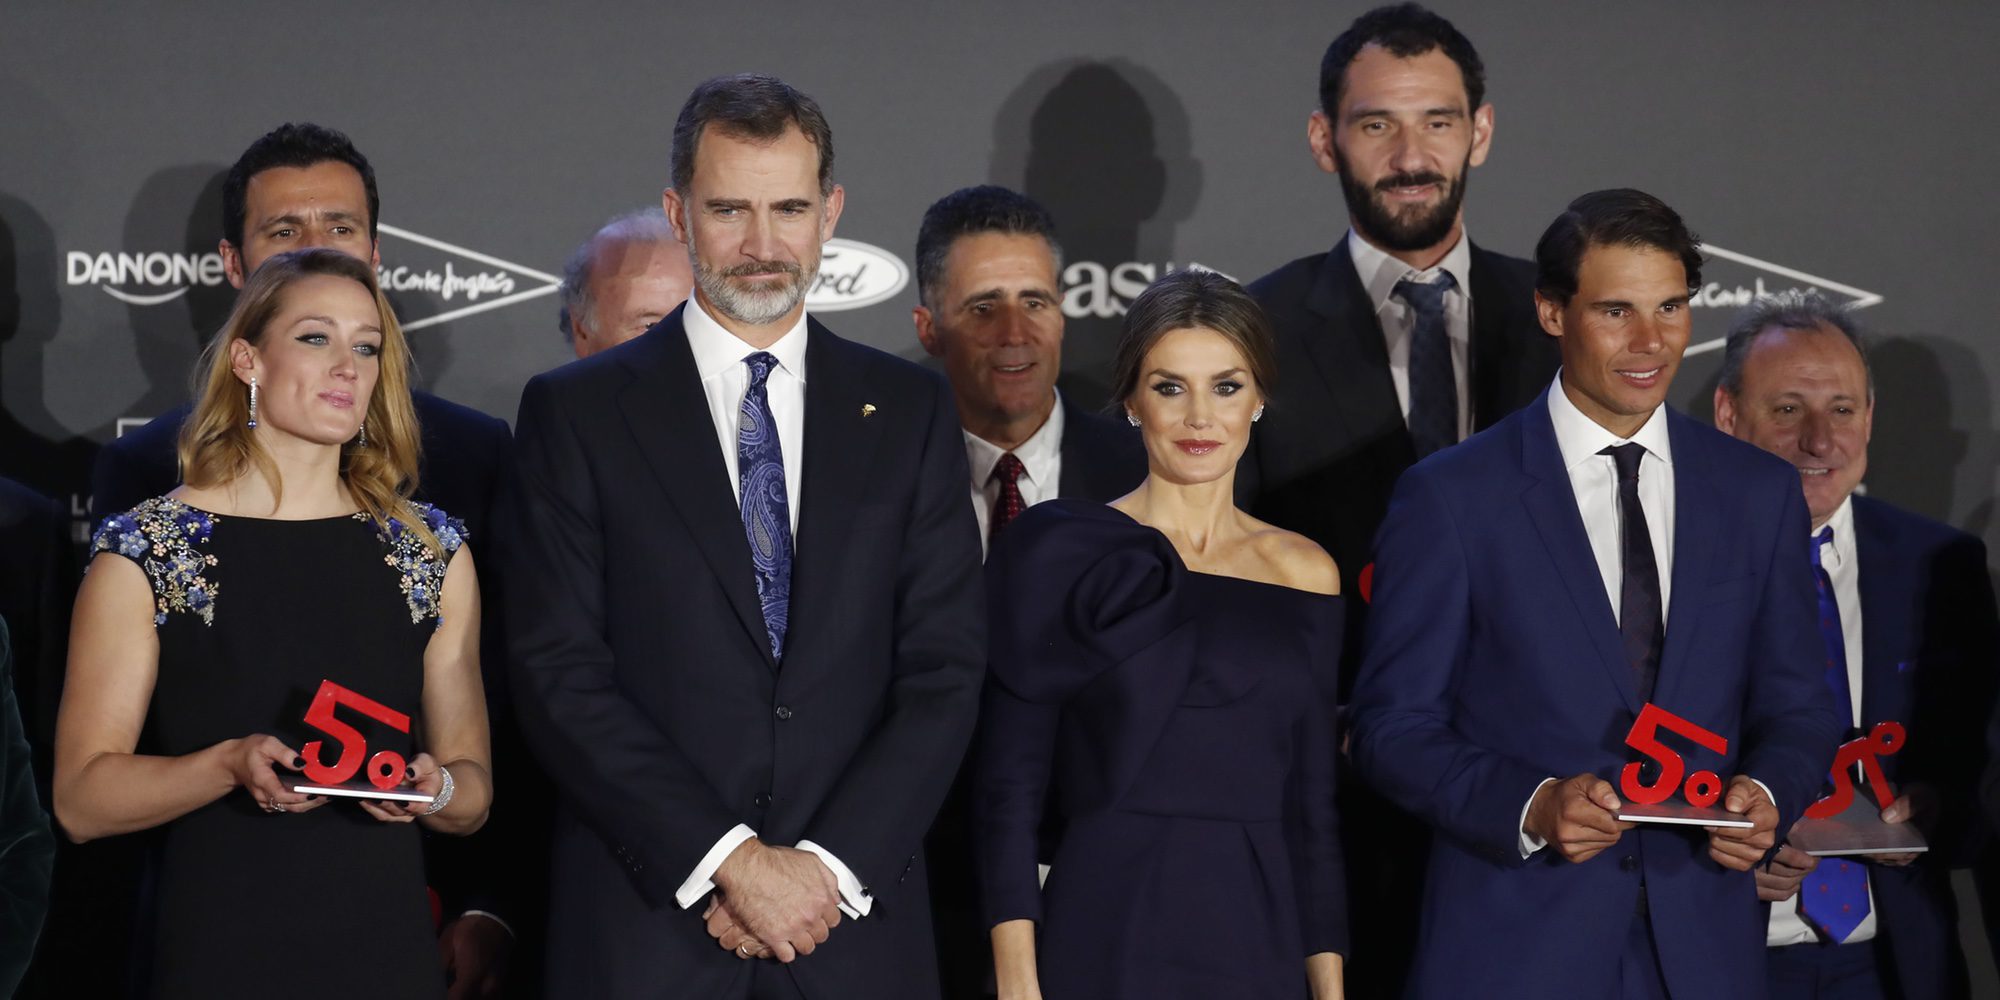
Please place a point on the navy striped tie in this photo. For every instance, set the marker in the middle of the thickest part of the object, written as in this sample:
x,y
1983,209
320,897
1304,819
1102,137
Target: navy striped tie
x,y
1433,390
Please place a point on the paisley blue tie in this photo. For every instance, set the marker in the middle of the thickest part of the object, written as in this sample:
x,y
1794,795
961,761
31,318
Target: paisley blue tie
x,y
1433,390
1835,895
767,518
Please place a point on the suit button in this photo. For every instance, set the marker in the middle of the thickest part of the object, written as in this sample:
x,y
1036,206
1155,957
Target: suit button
x,y
783,713
763,800
1628,863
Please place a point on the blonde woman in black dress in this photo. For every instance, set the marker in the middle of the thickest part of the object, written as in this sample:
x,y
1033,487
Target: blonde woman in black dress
x,y
210,617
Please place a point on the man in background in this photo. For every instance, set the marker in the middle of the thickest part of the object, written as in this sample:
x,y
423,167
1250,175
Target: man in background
x,y
1908,622
621,281
1401,340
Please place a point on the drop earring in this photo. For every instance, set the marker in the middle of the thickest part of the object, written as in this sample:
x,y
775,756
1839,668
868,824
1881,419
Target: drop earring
x,y
1131,418
363,441
253,402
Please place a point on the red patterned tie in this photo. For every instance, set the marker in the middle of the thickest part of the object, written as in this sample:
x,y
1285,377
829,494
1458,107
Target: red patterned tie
x,y
1008,505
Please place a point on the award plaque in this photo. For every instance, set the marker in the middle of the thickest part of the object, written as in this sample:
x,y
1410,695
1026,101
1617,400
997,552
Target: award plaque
x,y
1649,803
385,771
1845,823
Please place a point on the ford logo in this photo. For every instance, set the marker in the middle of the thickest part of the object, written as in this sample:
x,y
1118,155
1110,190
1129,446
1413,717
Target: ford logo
x,y
854,274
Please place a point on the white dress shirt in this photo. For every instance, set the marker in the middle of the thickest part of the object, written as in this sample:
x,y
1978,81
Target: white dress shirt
x,y
1593,478
1041,457
725,379
1842,564
1379,274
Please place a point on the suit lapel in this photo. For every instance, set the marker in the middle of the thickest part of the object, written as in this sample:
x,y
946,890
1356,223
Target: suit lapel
x,y
1884,588
1486,354
1348,350
843,430
1698,505
668,416
1551,503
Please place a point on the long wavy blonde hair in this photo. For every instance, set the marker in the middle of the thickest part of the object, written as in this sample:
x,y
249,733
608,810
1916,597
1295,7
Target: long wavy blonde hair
x,y
217,446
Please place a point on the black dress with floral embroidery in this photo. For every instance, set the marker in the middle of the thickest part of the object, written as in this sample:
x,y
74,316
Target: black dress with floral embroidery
x,y
252,615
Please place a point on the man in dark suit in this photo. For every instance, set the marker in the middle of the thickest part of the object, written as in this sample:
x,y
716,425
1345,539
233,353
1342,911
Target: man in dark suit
x,y
742,726
27,844
305,185
1908,624
1526,583
990,308
1401,340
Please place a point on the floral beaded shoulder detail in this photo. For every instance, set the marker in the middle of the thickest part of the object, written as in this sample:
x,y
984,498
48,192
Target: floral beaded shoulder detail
x,y
165,537
422,568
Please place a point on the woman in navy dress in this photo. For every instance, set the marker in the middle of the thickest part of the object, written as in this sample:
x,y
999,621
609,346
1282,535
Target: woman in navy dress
x,y
210,617
1158,721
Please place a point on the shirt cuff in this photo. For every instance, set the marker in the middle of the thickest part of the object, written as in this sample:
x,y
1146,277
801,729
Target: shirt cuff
x,y
1767,791
495,917
1529,843
854,898
702,880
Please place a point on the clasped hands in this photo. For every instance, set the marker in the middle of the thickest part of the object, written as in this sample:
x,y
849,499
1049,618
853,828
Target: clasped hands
x,y
1578,817
772,902
1780,880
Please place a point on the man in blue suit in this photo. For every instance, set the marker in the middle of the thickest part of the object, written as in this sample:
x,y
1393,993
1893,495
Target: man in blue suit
x,y
1540,583
1908,625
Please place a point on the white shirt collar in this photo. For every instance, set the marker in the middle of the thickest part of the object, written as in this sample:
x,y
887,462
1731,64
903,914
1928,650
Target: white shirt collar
x,y
1038,454
1842,543
717,350
1581,438
1380,272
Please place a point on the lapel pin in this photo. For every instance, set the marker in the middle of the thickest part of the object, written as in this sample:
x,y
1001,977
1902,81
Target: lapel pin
x,y
868,409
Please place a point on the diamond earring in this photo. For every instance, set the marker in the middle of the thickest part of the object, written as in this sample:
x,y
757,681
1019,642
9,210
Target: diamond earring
x,y
363,441
253,401
1258,414
1131,418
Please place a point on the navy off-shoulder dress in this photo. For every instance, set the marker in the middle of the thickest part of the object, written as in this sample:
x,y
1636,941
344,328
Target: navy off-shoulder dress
x,y
1181,726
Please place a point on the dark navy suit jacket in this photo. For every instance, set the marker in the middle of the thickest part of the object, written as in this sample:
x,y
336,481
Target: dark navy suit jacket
x,y
646,677
1494,661
1928,657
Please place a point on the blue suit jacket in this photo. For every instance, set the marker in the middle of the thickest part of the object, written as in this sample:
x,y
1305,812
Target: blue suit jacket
x,y
1494,661
1928,646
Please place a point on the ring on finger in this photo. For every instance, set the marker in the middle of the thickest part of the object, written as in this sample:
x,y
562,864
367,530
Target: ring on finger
x,y
743,949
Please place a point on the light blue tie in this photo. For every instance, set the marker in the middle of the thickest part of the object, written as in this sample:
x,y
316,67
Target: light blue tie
x,y
767,518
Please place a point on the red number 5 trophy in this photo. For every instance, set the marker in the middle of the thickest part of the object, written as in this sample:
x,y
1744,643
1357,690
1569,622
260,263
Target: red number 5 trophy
x,y
385,768
1650,803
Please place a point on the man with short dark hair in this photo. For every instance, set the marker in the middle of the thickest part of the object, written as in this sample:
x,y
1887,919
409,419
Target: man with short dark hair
x,y
1401,340
1536,587
305,185
748,615
622,280
989,307
1908,623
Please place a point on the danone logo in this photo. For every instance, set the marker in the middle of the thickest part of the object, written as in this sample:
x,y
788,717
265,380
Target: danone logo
x,y
853,274
143,279
1732,280
420,272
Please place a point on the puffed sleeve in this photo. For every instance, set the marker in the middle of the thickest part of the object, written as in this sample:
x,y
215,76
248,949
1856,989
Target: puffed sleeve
x,y
1073,590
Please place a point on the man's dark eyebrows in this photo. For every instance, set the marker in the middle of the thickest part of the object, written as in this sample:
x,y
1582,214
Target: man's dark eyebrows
x,y
1450,112
1611,304
726,203
795,204
289,218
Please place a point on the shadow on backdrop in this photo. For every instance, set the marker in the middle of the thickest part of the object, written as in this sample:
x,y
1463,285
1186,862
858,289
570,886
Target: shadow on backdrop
x,y
177,210
1106,147
35,448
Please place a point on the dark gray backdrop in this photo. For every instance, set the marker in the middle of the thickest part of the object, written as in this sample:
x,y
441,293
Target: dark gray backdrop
x,y
1839,145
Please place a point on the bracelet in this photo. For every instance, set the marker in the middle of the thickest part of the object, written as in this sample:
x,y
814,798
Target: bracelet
x,y
444,794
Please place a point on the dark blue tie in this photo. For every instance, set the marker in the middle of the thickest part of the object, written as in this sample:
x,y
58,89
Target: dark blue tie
x,y
1641,617
767,517
1433,391
1835,895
